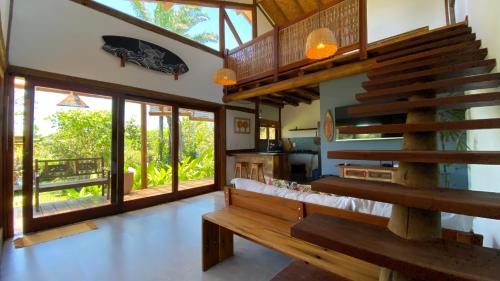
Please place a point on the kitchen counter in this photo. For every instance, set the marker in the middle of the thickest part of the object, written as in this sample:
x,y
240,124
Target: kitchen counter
x,y
275,163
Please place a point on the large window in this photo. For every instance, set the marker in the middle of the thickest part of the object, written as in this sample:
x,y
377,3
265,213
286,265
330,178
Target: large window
x,y
197,21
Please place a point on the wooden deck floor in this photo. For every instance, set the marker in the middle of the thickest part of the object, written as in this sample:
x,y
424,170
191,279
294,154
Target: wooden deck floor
x,y
53,208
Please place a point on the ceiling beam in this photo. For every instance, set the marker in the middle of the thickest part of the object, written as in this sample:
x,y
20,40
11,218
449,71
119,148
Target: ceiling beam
x,y
299,98
301,81
307,93
287,99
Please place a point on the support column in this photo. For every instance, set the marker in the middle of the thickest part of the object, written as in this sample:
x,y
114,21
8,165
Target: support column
x,y
144,146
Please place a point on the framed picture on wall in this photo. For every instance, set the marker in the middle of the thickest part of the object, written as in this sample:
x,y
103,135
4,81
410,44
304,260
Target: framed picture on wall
x,y
241,125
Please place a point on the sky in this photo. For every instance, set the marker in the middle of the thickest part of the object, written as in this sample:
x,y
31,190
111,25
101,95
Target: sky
x,y
211,25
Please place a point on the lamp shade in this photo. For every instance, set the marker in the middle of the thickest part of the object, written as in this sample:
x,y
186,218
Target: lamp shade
x,y
73,100
320,44
225,77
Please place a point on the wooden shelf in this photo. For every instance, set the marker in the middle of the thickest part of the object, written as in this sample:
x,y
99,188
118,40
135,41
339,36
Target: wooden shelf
x,y
439,86
467,202
449,71
302,129
414,156
302,271
461,56
425,260
454,102
493,123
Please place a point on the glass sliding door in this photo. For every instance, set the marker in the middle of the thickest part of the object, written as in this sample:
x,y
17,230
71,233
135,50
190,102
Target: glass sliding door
x,y
147,150
71,151
196,166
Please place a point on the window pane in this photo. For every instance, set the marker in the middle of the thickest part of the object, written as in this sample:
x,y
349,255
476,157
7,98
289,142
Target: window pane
x,y
196,149
263,133
198,23
272,133
147,151
242,21
71,151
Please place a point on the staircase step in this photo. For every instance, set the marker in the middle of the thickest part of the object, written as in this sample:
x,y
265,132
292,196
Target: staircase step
x,y
460,56
420,156
423,260
461,47
448,71
434,35
445,85
453,102
493,123
302,271
427,46
466,202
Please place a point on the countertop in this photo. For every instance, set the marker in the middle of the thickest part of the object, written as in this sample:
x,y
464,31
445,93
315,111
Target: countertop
x,y
273,153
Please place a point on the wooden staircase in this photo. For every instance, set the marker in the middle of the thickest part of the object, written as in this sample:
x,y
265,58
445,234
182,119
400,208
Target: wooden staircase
x,y
408,78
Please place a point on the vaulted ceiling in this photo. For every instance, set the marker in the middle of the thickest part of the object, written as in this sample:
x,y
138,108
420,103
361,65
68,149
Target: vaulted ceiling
x,y
282,12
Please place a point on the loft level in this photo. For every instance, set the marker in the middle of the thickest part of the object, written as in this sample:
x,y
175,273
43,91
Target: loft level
x,y
466,202
424,260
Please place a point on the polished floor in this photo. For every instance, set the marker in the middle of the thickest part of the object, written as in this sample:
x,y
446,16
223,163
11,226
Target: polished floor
x,y
158,243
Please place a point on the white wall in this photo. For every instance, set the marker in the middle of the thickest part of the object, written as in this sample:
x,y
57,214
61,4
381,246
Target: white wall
x,y
239,141
65,37
485,22
4,14
302,116
388,17
269,112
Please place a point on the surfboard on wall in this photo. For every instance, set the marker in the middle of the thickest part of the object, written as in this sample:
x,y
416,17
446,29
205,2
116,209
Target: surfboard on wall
x,y
145,54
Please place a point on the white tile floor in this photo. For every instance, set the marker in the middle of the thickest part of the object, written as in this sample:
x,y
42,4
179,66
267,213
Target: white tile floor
x,y
158,243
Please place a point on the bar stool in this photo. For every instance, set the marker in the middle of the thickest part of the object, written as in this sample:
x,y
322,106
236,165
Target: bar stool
x,y
238,169
257,169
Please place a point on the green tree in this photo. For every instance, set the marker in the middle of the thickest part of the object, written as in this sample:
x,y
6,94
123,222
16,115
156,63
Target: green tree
x,y
179,19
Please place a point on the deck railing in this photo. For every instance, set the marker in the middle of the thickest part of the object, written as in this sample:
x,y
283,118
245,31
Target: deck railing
x,y
283,48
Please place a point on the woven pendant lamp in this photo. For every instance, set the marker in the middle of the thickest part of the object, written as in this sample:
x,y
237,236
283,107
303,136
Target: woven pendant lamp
x,y
73,100
225,77
321,44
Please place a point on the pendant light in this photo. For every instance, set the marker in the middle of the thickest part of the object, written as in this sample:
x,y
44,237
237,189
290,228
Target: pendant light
x,y
225,77
73,100
321,42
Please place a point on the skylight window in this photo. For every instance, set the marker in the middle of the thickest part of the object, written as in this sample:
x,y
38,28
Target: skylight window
x,y
198,23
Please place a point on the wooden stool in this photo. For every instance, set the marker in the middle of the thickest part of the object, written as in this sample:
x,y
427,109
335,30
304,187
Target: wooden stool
x,y
257,169
238,168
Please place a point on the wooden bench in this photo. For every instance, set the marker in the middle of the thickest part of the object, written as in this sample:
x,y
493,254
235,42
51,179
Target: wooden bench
x,y
267,220
53,175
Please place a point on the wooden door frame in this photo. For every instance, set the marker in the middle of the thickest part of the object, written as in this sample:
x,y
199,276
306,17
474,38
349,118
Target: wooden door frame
x,y
119,93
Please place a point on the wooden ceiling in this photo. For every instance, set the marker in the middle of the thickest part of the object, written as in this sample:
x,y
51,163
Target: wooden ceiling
x,y
282,12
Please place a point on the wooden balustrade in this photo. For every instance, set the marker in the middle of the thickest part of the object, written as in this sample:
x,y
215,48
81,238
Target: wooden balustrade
x,y
283,49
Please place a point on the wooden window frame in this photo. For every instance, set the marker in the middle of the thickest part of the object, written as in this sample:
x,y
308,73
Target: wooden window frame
x,y
119,94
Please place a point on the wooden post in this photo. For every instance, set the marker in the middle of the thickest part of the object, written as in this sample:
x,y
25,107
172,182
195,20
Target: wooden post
x,y
144,146
254,20
257,122
276,51
412,223
222,32
363,29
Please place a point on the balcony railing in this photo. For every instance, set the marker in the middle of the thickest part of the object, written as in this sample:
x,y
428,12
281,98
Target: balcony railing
x,y
283,48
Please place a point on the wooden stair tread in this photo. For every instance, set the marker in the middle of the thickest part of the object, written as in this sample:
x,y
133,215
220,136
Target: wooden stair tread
x,y
449,71
302,271
444,85
493,123
426,63
420,156
427,46
467,202
453,102
424,260
425,38
446,50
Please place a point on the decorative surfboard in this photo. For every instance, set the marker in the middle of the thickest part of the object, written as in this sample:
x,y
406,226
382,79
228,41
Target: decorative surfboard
x,y
145,54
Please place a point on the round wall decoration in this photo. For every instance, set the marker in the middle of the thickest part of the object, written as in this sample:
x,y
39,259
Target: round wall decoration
x,y
328,126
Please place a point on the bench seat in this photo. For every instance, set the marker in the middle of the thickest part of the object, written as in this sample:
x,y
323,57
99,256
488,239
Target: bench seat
x,y
53,186
273,233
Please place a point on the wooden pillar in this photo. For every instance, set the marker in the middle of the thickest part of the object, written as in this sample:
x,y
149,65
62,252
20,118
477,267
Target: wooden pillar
x,y
257,122
144,146
412,223
363,29
254,20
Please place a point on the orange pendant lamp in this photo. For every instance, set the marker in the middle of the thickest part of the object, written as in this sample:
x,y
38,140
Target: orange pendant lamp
x,y
321,42
225,77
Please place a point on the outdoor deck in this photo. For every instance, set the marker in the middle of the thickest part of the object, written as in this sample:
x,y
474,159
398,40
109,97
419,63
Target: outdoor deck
x,y
54,208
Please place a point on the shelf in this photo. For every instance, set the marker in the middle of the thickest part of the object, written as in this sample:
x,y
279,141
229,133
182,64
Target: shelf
x,y
424,260
493,123
466,202
414,156
302,129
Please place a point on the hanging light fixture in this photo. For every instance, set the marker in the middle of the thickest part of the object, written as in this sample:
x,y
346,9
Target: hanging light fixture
x,y
321,42
73,100
225,77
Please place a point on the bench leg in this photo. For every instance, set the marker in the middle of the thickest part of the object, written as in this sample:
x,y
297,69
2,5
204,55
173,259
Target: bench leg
x,y
217,244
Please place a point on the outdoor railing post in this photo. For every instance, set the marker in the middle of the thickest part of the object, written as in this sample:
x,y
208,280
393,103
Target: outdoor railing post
x,y
363,30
